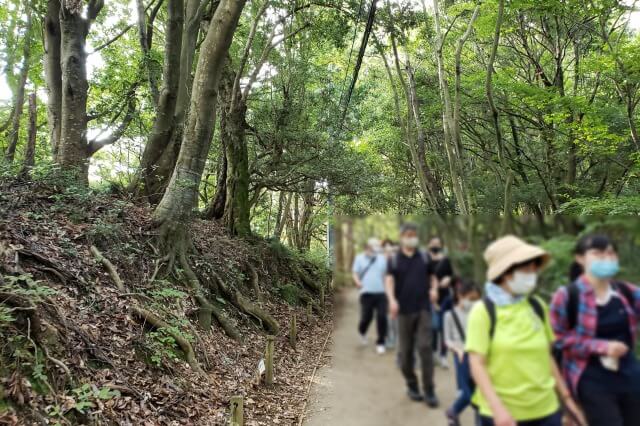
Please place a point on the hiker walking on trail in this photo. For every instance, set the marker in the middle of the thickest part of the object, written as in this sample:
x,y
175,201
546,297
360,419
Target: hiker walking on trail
x,y
509,339
595,320
455,326
389,249
369,270
410,294
441,272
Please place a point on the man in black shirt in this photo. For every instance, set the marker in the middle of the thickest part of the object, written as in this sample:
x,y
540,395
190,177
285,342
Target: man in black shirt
x,y
441,273
410,294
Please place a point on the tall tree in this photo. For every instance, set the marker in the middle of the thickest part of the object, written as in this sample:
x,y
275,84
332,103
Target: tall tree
x,y
75,22
53,72
18,105
181,195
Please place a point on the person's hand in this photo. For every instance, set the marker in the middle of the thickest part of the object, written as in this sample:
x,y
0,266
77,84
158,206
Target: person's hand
x,y
501,417
434,297
617,349
394,308
358,284
460,354
445,282
576,417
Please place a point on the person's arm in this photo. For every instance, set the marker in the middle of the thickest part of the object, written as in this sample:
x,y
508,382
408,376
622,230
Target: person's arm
x,y
389,284
501,416
579,346
356,280
452,338
432,282
577,417
355,269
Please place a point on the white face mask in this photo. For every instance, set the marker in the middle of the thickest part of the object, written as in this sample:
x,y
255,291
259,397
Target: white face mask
x,y
467,304
411,242
523,282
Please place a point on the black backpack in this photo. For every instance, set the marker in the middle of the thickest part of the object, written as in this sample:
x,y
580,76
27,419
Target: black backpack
x,y
535,303
573,303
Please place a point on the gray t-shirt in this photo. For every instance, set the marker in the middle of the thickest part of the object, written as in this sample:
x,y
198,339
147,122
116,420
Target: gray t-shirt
x,y
376,269
452,337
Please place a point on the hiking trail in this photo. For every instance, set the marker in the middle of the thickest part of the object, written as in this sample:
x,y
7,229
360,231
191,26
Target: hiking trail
x,y
358,387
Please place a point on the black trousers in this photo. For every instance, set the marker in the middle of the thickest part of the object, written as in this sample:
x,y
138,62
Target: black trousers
x,y
414,333
370,303
552,420
608,408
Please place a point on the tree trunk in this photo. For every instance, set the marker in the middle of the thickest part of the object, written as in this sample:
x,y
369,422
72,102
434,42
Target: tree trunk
x,y
284,202
154,172
145,46
53,72
450,126
73,149
181,195
14,136
215,209
236,211
29,156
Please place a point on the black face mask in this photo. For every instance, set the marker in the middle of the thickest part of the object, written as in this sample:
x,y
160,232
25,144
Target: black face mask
x,y
435,250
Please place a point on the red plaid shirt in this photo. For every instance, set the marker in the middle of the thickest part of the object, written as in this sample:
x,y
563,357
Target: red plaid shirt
x,y
580,343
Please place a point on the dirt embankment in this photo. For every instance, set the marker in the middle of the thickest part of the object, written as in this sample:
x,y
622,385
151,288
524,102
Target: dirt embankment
x,y
75,348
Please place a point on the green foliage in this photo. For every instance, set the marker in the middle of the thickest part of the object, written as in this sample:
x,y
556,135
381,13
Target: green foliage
x,y
84,398
163,347
6,317
290,293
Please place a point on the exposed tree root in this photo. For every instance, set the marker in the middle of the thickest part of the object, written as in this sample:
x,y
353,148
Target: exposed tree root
x,y
207,309
148,316
184,344
306,279
23,304
307,298
254,280
243,304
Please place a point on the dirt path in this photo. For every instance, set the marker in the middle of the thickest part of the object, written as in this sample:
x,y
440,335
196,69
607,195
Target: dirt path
x,y
361,388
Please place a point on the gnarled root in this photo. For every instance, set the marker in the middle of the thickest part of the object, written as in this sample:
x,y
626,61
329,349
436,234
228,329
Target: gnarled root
x,y
184,344
207,309
254,280
148,316
245,305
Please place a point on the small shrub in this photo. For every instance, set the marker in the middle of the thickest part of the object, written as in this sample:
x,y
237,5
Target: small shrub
x,y
290,294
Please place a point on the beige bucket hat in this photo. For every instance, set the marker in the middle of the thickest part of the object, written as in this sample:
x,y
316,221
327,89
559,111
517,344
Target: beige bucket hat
x,y
508,251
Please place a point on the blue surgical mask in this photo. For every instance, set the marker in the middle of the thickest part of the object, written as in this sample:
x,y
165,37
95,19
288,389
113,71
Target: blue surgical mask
x,y
604,268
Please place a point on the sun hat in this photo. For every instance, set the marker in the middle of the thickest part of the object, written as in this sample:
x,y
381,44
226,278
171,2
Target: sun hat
x,y
509,251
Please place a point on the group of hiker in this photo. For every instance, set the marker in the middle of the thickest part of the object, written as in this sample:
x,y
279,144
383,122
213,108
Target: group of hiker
x,y
518,360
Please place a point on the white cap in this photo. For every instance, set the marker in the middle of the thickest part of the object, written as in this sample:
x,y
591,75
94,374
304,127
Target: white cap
x,y
373,242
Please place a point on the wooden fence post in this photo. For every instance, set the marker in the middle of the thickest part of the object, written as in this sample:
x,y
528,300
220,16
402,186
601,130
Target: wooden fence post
x,y
237,411
293,332
269,360
309,312
322,298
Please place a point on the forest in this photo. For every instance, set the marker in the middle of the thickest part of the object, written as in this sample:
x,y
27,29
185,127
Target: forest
x,y
204,148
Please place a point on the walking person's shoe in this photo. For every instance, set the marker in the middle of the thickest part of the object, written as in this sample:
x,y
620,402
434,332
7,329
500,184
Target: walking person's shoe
x,y
363,340
431,399
413,393
380,349
452,418
444,363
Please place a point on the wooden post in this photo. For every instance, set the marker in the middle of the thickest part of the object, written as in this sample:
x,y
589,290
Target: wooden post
x,y
269,360
293,332
309,312
237,411
322,298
